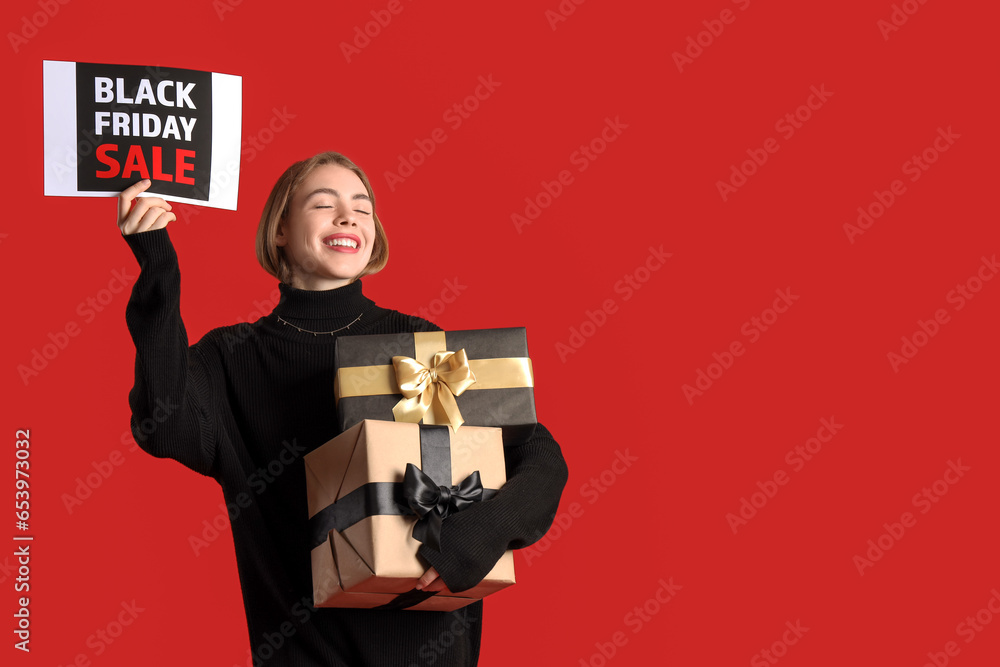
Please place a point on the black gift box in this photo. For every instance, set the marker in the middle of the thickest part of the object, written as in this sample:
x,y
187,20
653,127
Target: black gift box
x,y
501,395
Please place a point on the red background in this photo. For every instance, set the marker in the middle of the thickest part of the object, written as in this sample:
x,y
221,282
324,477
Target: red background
x,y
656,185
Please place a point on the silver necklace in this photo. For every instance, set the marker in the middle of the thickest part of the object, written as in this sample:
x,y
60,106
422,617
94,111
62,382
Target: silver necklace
x,y
317,333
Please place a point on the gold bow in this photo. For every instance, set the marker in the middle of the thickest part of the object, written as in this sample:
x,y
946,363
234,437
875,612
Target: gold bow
x,y
448,376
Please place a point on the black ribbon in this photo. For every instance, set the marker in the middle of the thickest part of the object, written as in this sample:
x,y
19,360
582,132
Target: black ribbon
x,y
433,503
367,500
376,498
406,600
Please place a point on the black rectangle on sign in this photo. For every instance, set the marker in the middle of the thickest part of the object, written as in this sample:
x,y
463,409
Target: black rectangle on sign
x,y
136,122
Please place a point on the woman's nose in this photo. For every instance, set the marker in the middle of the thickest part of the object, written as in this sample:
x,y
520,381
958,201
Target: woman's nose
x,y
345,215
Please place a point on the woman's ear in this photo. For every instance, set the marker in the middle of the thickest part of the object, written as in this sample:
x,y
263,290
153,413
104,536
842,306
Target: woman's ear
x,y
280,239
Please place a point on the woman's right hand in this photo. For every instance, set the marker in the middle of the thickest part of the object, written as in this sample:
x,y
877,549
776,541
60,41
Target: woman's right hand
x,y
147,213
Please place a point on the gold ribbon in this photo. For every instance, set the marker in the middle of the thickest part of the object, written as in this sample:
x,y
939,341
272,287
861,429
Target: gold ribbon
x,y
447,377
378,380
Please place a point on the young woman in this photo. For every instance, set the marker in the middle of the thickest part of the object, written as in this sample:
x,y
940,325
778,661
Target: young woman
x,y
254,398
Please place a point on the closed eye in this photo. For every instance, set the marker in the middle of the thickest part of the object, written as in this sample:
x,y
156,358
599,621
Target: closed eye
x,y
357,210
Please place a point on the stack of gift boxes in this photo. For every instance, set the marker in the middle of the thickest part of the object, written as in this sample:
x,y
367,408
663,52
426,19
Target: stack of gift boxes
x,y
423,418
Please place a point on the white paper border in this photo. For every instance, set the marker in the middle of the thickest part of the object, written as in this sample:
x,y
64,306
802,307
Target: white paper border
x,y
227,103
59,127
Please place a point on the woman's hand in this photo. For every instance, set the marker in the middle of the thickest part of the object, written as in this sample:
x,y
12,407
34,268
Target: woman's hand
x,y
431,581
147,213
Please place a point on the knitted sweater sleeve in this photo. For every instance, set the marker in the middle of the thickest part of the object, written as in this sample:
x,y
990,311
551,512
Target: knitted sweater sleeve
x,y
171,394
473,540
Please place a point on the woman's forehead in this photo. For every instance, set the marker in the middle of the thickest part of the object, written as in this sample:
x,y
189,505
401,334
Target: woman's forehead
x,y
334,177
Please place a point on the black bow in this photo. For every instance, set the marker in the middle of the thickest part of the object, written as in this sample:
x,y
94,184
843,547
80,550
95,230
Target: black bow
x,y
433,503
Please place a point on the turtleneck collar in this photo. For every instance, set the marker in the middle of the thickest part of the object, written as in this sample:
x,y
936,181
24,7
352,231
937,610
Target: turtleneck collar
x,y
322,309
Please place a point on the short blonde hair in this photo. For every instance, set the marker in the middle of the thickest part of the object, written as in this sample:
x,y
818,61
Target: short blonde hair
x,y
271,257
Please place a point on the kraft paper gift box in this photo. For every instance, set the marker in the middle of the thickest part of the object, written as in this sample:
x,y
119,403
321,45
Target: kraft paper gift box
x,y
479,377
364,553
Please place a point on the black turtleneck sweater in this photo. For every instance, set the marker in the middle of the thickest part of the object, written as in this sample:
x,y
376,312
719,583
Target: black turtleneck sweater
x,y
244,405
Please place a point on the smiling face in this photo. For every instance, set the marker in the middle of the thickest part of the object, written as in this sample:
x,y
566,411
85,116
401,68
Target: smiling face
x,y
329,231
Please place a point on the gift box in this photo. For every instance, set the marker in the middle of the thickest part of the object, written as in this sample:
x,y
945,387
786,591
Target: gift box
x,y
478,377
381,488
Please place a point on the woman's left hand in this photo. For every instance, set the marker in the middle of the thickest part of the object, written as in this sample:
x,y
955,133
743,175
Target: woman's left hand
x,y
431,581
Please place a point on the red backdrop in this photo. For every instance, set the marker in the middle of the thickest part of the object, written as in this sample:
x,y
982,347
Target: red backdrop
x,y
823,491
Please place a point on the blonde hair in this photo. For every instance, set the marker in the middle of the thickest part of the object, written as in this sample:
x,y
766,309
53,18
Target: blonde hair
x,y
271,257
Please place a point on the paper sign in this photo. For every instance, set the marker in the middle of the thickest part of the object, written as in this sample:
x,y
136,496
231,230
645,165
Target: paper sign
x,y
108,126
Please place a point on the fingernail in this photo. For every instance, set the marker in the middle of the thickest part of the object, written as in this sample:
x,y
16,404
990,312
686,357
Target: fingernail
x,y
145,180
420,587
